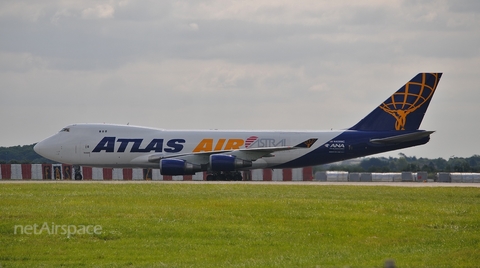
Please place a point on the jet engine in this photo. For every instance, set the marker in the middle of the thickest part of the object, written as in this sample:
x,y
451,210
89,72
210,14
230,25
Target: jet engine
x,y
178,167
223,162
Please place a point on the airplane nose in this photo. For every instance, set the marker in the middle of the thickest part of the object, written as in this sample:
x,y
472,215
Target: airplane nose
x,y
47,148
41,148
38,148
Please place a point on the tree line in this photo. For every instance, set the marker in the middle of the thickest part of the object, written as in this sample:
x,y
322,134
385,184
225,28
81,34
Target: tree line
x,y
26,155
407,163
21,155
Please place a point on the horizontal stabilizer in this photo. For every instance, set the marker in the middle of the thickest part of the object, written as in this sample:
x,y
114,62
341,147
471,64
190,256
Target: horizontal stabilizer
x,y
402,138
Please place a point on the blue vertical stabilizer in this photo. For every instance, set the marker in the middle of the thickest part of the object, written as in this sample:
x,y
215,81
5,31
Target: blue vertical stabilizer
x,y
404,110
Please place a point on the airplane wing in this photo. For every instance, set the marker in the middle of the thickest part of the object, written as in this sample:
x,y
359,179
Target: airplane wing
x,y
253,154
250,154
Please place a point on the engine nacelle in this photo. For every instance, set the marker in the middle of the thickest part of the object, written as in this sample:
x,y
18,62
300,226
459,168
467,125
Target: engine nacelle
x,y
223,162
178,167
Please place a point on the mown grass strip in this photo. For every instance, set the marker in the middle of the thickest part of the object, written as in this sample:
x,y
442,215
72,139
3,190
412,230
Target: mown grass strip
x,y
235,225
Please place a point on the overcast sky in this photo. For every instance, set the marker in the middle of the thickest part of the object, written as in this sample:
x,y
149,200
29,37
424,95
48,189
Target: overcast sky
x,y
262,64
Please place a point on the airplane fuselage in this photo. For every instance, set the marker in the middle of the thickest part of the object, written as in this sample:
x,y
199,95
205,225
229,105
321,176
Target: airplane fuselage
x,y
106,145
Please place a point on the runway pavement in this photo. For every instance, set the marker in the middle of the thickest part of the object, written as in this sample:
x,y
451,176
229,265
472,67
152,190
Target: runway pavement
x,y
312,183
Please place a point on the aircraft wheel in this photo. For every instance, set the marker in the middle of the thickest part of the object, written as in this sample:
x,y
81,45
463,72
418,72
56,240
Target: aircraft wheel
x,y
221,177
228,177
237,177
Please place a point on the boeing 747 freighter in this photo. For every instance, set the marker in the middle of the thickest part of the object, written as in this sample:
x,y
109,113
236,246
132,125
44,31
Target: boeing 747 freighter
x,y
393,125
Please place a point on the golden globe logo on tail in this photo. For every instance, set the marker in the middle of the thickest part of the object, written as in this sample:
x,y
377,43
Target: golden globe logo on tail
x,y
406,101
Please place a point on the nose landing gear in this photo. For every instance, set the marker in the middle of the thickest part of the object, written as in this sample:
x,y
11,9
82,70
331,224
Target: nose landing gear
x,y
78,173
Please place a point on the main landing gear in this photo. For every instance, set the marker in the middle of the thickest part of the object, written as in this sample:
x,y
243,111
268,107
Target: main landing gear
x,y
225,176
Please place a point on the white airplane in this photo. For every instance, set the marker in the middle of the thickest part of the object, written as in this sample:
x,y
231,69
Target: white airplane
x,y
392,125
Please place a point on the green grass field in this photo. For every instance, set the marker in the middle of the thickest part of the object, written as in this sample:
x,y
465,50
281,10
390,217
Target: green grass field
x,y
237,225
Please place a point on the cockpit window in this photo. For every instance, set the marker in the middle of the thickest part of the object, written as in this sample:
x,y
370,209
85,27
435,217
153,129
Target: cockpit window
x,y
67,129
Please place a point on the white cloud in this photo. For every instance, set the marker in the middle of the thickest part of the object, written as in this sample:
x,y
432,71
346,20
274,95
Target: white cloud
x,y
193,26
20,62
234,64
98,12
319,87
309,12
